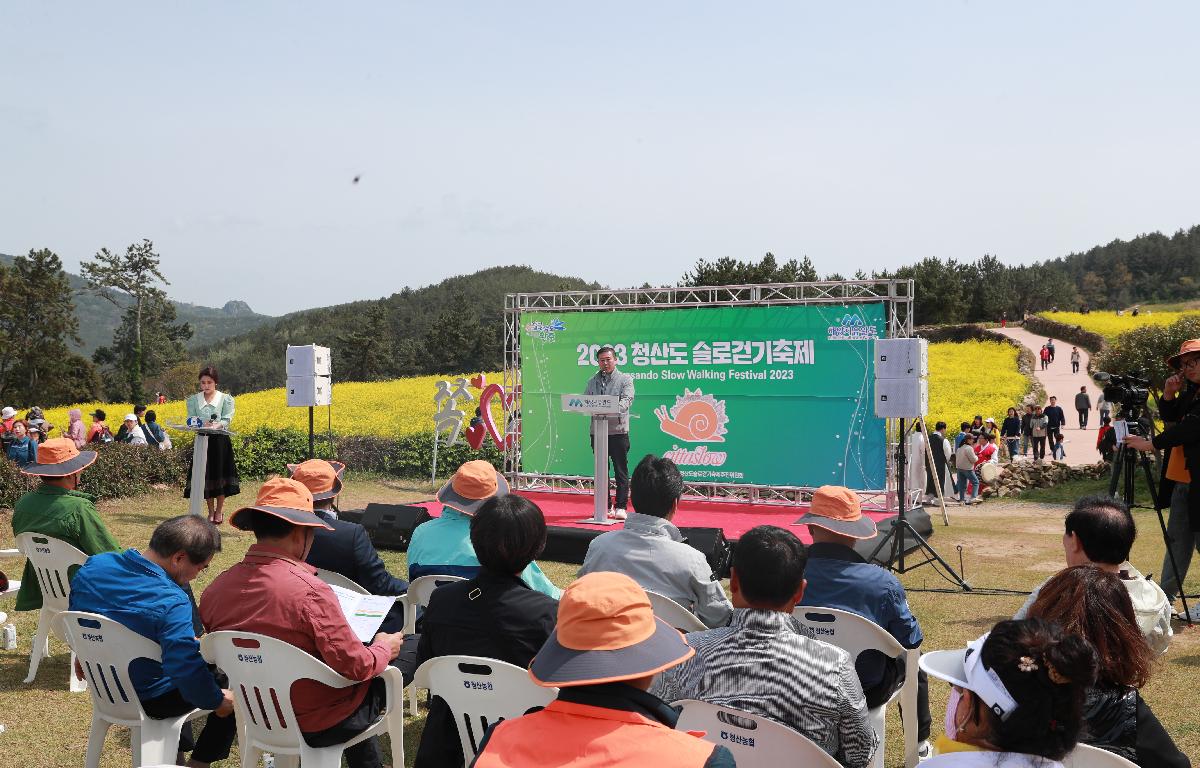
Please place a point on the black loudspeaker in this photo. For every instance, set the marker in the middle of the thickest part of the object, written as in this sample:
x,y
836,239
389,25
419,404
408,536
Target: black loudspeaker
x,y
568,545
390,526
713,545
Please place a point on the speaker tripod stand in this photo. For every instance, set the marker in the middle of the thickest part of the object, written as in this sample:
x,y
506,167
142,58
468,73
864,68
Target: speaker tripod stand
x,y
901,527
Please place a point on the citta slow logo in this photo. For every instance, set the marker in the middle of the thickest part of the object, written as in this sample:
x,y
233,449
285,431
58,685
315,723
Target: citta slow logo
x,y
852,328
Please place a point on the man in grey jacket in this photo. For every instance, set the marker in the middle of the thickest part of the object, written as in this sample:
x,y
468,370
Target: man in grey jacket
x,y
1083,405
609,381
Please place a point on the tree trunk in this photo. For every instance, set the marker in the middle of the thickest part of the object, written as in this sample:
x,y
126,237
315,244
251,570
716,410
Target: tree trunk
x,y
136,384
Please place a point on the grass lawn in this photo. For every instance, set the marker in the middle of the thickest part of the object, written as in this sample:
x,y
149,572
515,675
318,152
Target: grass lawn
x,y
1004,544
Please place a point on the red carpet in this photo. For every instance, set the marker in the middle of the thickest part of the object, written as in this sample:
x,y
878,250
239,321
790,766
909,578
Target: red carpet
x,y
565,510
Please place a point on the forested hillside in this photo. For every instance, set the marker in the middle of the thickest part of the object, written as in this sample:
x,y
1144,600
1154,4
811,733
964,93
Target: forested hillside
x,y
453,326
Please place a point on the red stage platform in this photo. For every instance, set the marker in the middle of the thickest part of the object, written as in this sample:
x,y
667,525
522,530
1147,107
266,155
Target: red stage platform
x,y
565,510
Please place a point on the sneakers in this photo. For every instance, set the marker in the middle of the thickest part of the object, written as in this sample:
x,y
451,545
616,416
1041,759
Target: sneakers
x,y
924,750
1193,611
617,514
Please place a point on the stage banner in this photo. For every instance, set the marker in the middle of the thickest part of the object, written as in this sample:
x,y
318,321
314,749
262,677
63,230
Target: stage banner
x,y
772,395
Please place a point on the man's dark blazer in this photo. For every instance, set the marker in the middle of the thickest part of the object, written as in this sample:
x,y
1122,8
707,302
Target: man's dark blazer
x,y
348,550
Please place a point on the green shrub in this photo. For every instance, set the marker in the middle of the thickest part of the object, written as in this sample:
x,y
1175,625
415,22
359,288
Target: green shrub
x,y
119,470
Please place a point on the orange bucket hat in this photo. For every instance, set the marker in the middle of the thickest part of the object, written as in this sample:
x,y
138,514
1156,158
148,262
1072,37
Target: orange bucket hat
x,y
474,483
323,478
284,498
836,508
1188,347
606,632
58,457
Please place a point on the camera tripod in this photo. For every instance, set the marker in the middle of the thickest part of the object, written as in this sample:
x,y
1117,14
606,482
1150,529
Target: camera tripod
x,y
1125,462
902,527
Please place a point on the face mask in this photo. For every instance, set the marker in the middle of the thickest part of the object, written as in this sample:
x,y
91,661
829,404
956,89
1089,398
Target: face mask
x,y
951,711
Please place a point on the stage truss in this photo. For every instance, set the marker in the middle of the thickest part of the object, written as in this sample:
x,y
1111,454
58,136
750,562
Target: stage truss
x,y
897,295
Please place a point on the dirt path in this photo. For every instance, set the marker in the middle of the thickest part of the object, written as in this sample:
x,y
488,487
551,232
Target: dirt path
x,y
1059,381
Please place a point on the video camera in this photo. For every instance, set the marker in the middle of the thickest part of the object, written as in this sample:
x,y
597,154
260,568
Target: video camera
x,y
1130,391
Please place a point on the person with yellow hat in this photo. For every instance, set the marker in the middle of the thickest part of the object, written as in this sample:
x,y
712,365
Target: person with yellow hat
x,y
602,656
442,546
58,508
346,548
1179,408
839,577
273,592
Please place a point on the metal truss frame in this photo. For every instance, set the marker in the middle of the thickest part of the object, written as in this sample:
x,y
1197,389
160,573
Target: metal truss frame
x,y
897,295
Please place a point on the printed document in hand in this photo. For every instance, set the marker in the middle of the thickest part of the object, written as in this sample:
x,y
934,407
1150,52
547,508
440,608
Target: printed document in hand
x,y
1120,430
364,613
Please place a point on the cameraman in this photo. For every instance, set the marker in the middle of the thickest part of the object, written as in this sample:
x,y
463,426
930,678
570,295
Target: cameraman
x,y
1180,408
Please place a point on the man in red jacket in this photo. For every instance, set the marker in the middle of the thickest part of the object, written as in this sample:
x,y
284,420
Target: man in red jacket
x,y
273,592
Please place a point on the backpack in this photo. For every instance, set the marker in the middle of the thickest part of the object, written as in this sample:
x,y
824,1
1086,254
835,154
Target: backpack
x,y
105,435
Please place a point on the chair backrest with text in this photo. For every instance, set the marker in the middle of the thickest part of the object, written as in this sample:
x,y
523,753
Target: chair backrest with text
x,y
755,741
480,692
52,560
105,649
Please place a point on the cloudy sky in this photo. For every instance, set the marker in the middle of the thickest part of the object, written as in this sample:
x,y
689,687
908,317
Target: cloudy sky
x,y
615,141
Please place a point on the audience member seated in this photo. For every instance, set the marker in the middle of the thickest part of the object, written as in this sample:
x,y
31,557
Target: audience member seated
x,y
651,550
495,614
1016,697
272,592
131,432
155,434
146,594
1100,531
55,508
22,448
763,663
838,577
603,657
75,429
442,546
1092,602
346,549
99,431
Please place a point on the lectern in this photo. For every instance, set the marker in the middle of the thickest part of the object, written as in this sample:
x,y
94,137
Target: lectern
x,y
600,408
199,462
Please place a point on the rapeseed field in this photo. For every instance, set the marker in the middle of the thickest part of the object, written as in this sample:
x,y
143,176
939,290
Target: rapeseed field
x,y
1109,325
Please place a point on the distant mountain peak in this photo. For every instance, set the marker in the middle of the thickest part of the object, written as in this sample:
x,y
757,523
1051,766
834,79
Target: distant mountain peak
x,y
237,309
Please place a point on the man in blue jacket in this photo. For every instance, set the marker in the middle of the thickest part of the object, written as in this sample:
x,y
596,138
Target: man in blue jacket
x,y
347,549
148,593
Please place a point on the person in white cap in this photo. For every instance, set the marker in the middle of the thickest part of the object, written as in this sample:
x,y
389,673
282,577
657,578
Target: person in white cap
x,y
133,432
1016,698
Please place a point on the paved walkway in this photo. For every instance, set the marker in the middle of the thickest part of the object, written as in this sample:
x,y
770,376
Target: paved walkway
x,y
1058,380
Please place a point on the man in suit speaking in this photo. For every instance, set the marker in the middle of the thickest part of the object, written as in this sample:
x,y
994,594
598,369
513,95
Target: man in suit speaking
x,y
609,381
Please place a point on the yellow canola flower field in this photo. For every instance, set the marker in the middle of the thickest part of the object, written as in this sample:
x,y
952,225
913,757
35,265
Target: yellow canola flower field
x,y
380,408
973,377
1109,325
965,379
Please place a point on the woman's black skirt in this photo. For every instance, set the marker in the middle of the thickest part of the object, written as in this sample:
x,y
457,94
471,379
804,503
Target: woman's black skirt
x,y
221,476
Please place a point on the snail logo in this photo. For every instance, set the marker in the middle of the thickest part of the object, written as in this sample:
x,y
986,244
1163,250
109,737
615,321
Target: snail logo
x,y
852,328
695,417
545,331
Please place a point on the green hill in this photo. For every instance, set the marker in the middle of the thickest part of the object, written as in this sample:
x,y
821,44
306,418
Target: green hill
x,y
452,326
98,317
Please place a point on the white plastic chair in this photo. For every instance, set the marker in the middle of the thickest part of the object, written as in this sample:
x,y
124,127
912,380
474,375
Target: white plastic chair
x,y
336,579
754,740
1087,756
261,672
419,590
855,634
51,559
105,649
674,614
481,691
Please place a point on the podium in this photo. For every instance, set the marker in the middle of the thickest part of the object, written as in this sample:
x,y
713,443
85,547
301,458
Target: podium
x,y
599,408
199,463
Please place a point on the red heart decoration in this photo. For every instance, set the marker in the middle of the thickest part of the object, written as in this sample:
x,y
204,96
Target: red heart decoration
x,y
475,436
479,381
485,412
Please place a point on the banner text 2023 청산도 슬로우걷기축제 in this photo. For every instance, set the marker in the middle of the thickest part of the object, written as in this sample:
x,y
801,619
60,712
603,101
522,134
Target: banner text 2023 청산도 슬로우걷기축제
x,y
773,395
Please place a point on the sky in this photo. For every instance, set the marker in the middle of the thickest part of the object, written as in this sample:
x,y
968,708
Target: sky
x,y
619,142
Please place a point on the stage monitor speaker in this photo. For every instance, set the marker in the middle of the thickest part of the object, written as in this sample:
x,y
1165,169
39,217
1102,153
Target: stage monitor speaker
x,y
920,522
711,543
901,398
568,545
391,526
308,360
901,358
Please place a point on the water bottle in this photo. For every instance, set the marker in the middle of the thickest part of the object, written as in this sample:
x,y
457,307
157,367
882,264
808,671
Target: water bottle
x,y
9,636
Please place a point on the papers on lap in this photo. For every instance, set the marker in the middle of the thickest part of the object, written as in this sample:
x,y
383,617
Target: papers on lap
x,y
364,613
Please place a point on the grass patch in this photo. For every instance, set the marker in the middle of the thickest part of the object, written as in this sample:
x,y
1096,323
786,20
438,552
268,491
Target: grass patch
x,y
1004,544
